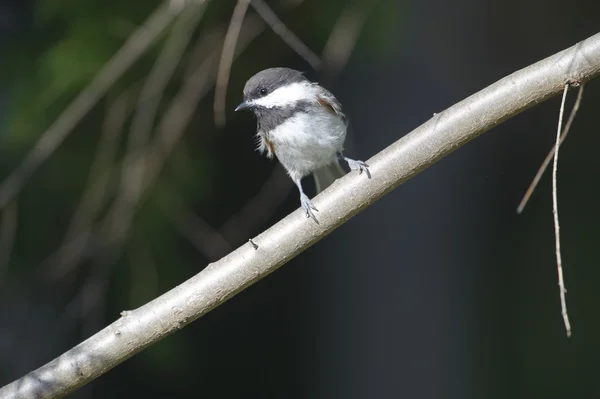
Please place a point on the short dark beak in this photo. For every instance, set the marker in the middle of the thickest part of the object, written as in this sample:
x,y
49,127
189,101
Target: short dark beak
x,y
243,105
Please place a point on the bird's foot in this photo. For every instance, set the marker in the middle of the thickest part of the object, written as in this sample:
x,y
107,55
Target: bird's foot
x,y
308,207
358,165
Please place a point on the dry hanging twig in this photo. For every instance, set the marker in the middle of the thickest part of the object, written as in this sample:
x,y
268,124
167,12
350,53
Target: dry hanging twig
x,y
231,38
550,155
561,281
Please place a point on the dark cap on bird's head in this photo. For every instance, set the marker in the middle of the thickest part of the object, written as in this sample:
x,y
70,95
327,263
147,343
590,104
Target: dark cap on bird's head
x,y
266,82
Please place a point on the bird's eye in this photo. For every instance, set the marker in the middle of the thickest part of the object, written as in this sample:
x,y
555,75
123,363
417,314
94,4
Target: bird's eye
x,y
263,91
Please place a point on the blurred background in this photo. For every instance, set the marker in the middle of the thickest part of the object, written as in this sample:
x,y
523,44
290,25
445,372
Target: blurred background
x,y
439,290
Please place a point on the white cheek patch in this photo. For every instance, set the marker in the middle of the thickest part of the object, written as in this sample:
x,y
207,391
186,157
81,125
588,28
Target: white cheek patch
x,y
287,96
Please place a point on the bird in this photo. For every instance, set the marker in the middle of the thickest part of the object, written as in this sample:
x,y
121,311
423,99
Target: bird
x,y
302,124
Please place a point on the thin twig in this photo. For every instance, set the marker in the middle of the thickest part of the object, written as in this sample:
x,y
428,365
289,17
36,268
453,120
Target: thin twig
x,y
195,229
135,163
343,37
140,328
177,5
561,282
258,209
203,49
286,34
160,74
96,192
550,154
170,130
51,139
231,38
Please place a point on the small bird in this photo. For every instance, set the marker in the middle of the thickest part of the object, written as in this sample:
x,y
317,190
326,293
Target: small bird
x,y
302,124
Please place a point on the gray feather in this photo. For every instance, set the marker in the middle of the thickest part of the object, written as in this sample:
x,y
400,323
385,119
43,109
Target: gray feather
x,y
326,175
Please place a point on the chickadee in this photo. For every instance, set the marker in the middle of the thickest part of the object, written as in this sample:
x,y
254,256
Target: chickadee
x,y
302,124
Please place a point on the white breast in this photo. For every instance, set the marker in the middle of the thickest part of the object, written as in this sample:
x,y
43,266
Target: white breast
x,y
306,142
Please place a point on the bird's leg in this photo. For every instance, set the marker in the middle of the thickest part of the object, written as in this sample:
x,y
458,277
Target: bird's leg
x,y
356,165
305,202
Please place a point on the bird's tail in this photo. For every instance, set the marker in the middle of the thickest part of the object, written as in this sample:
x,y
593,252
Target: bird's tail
x,y
326,175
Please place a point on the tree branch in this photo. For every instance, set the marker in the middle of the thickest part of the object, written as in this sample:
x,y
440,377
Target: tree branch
x,y
221,280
